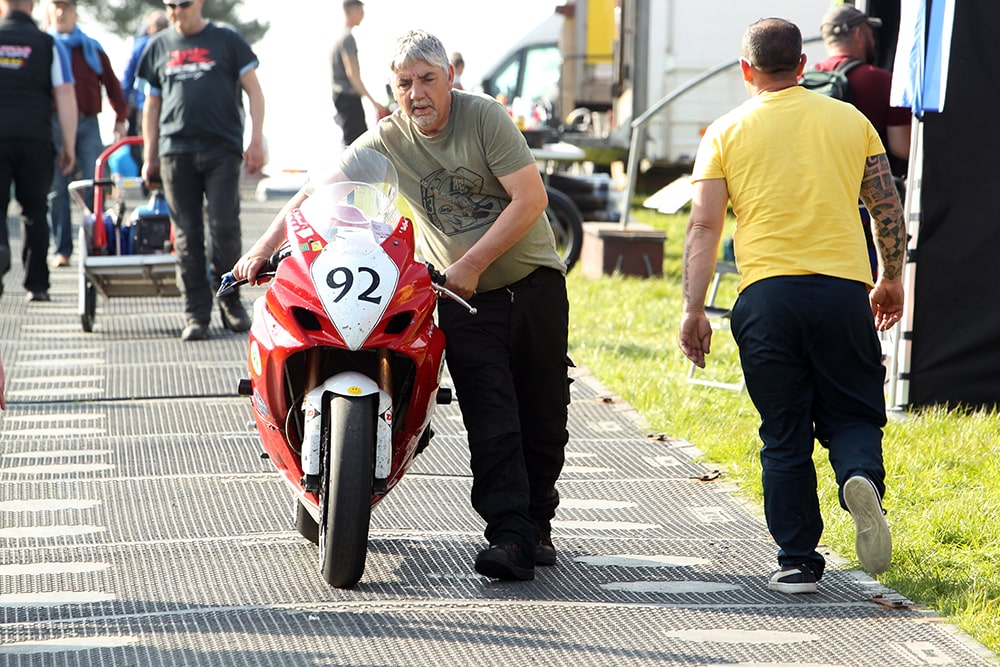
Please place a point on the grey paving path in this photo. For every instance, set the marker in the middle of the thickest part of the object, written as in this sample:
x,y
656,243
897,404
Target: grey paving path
x,y
138,526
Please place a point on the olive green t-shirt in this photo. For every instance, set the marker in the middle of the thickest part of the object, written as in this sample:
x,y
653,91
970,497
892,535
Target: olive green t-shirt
x,y
450,182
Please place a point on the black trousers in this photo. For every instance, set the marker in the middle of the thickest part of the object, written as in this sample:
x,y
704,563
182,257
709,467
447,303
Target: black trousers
x,y
812,362
192,183
509,366
28,165
350,116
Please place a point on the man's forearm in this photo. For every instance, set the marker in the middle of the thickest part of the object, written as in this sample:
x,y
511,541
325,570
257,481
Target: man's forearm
x,y
878,192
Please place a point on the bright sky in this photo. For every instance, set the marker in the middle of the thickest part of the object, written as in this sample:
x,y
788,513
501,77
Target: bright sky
x,y
294,58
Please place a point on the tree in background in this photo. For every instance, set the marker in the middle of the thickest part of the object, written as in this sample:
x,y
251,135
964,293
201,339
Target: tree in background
x,y
125,17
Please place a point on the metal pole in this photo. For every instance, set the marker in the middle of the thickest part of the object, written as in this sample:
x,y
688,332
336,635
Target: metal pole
x,y
899,380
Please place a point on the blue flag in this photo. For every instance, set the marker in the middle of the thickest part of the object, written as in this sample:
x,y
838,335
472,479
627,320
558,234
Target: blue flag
x,y
923,53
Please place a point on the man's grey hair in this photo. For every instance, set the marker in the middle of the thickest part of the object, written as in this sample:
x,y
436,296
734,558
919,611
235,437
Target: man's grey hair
x,y
419,46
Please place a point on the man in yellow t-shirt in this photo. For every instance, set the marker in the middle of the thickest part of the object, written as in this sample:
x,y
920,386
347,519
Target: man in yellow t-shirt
x,y
793,163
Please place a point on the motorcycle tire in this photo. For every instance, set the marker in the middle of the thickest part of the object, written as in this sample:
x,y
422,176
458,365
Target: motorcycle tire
x,y
567,226
346,491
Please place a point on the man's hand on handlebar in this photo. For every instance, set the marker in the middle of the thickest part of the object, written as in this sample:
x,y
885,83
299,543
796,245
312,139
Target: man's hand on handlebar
x,y
248,266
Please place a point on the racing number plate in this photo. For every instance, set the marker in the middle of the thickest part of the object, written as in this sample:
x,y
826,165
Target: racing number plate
x,y
355,290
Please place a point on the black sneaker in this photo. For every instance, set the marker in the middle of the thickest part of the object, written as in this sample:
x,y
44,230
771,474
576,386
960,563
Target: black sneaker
x,y
37,295
195,331
505,561
873,541
545,553
793,579
234,315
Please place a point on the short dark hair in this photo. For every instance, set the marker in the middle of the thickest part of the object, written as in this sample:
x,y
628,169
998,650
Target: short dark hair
x,y
773,45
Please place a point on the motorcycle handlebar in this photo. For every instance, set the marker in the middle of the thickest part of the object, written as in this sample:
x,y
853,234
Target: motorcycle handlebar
x,y
438,280
270,267
229,282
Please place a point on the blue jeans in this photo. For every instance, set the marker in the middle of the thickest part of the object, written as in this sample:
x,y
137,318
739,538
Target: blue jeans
x,y
812,362
509,366
88,149
190,181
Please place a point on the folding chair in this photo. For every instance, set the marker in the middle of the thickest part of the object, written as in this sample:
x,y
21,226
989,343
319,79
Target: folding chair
x,y
719,317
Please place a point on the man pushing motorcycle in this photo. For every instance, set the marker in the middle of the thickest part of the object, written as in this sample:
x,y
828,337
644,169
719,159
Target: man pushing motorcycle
x,y
478,202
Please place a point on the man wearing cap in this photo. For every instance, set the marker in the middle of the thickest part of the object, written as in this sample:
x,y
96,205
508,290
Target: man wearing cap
x,y
35,78
793,164
348,88
849,33
192,130
91,70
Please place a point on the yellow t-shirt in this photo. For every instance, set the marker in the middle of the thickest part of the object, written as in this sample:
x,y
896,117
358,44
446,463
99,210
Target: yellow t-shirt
x,y
793,161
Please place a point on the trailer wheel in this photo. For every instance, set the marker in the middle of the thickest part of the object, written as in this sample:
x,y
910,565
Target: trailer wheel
x,y
89,306
567,226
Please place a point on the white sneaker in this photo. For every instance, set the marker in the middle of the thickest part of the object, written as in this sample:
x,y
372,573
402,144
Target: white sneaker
x,y
873,542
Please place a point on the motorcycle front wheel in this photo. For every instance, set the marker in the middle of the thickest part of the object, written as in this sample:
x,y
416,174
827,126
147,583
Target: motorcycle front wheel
x,y
345,494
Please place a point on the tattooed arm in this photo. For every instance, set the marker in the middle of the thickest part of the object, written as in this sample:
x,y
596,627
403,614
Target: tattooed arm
x,y
701,246
889,229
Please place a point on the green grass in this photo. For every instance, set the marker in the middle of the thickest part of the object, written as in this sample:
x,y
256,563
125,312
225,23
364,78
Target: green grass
x,y
943,467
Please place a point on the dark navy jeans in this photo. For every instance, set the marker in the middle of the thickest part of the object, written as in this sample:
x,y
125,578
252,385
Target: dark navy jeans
x,y
812,363
509,366
192,181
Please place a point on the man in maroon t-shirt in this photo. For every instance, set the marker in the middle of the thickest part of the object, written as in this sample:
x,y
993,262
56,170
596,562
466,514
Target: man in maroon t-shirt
x,y
849,33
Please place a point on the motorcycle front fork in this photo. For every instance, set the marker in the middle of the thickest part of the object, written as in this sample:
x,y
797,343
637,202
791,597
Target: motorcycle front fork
x,y
312,407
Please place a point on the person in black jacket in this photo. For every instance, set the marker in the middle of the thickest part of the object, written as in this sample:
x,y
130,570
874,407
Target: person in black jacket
x,y
36,77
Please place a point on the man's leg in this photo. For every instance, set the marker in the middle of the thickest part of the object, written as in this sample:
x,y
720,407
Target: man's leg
x,y
88,148
32,176
184,187
539,329
770,326
222,191
59,216
478,360
850,413
350,116
6,179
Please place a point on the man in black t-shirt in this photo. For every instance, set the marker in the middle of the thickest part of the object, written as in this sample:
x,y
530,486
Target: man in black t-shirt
x,y
348,88
192,130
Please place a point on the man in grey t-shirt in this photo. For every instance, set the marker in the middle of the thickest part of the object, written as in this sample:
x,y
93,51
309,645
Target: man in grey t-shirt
x,y
478,205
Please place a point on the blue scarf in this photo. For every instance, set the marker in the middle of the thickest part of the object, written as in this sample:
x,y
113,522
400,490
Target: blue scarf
x,y
91,49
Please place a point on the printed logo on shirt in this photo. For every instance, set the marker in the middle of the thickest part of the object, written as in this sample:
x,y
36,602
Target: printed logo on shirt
x,y
14,56
189,64
455,201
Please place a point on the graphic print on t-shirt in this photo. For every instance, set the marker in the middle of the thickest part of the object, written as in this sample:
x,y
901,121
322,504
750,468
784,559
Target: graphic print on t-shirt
x,y
189,64
455,201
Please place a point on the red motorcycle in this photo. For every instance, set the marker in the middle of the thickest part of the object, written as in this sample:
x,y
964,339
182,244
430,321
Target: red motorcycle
x,y
345,359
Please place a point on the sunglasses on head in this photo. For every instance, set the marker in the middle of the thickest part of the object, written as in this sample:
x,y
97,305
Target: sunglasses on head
x,y
179,5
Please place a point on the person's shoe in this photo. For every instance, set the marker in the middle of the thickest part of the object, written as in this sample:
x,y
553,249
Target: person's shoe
x,y
234,315
505,561
793,579
545,553
195,331
58,261
873,541
37,295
